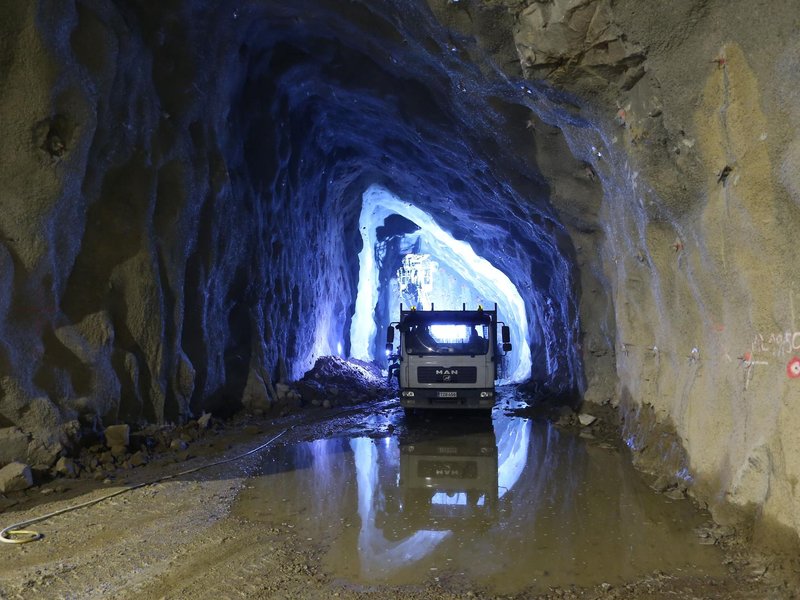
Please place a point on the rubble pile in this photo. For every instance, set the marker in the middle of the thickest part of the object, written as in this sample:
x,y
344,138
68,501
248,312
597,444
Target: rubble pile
x,y
335,381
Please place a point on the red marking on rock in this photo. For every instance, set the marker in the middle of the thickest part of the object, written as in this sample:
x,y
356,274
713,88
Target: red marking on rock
x,y
793,368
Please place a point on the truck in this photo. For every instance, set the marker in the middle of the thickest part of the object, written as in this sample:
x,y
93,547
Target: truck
x,y
446,482
447,359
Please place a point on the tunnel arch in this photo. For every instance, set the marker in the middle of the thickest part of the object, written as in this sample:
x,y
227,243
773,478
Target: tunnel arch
x,y
227,148
377,204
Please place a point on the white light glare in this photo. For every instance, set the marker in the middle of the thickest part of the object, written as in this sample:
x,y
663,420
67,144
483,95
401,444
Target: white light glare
x,y
443,498
488,281
449,334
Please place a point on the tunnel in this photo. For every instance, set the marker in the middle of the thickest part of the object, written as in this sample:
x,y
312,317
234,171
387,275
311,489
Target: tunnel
x,y
201,199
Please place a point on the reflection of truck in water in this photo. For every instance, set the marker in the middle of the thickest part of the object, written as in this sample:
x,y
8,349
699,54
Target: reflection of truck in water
x,y
447,358
446,482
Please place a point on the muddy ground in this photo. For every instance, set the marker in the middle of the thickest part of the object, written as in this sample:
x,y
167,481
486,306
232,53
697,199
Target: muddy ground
x,y
182,538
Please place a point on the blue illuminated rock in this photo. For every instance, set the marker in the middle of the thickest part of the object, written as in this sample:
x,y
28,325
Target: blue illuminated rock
x,y
197,218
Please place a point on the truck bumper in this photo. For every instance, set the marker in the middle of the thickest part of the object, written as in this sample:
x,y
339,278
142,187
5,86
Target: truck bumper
x,y
478,398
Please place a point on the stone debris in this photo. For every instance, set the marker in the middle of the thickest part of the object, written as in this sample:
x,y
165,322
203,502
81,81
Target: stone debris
x,y
586,419
662,484
335,381
66,467
204,420
670,486
288,397
117,436
15,476
178,444
676,493
714,533
139,458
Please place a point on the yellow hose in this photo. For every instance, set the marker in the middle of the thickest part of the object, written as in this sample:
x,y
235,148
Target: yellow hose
x,y
13,534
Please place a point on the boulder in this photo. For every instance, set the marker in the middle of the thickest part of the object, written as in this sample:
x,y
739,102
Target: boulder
x,y
178,444
43,452
15,476
204,420
139,459
117,436
13,445
66,467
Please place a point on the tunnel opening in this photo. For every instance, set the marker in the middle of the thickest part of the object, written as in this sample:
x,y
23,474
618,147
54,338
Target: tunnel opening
x,y
335,125
407,255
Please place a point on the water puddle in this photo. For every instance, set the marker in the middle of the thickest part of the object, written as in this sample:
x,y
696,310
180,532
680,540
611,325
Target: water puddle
x,y
503,504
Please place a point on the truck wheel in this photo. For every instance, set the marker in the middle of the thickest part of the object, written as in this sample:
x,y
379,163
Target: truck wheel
x,y
409,413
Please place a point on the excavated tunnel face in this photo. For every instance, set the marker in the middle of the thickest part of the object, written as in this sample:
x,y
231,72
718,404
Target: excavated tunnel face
x,y
351,115
221,170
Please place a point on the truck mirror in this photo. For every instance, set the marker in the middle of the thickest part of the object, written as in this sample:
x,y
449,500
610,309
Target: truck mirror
x,y
390,335
506,333
506,347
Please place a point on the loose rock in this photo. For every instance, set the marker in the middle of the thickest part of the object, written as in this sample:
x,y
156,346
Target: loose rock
x,y
204,420
178,444
138,459
66,467
117,435
15,476
13,445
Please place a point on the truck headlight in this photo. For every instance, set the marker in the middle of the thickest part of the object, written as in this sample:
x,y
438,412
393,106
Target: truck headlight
x,y
407,394
487,394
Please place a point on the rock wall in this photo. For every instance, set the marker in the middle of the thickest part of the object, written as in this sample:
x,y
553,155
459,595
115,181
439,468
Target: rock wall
x,y
182,199
149,274
694,132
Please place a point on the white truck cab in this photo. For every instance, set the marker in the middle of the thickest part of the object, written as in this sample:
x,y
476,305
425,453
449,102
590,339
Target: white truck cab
x,y
447,358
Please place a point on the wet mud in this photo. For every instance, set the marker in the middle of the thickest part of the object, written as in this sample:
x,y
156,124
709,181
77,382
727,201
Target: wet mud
x,y
502,504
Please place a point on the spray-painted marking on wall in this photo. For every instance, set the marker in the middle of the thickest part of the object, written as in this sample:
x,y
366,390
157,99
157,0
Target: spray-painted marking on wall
x,y
793,368
777,344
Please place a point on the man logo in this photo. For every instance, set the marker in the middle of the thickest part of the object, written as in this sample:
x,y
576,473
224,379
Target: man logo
x,y
445,378
447,371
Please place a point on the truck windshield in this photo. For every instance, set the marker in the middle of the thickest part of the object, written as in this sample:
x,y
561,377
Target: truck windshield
x,y
447,338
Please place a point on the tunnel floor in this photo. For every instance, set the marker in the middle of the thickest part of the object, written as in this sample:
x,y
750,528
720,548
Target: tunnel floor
x,y
500,505
364,501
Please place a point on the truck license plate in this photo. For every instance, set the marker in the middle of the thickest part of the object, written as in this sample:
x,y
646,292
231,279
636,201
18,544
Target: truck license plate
x,y
446,394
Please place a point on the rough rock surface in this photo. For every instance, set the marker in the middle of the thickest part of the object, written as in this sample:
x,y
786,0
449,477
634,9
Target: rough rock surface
x,y
181,183
15,476
13,445
335,381
682,216
117,436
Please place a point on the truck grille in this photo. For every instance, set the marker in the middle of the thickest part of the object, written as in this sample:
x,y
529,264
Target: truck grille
x,y
444,469
447,375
